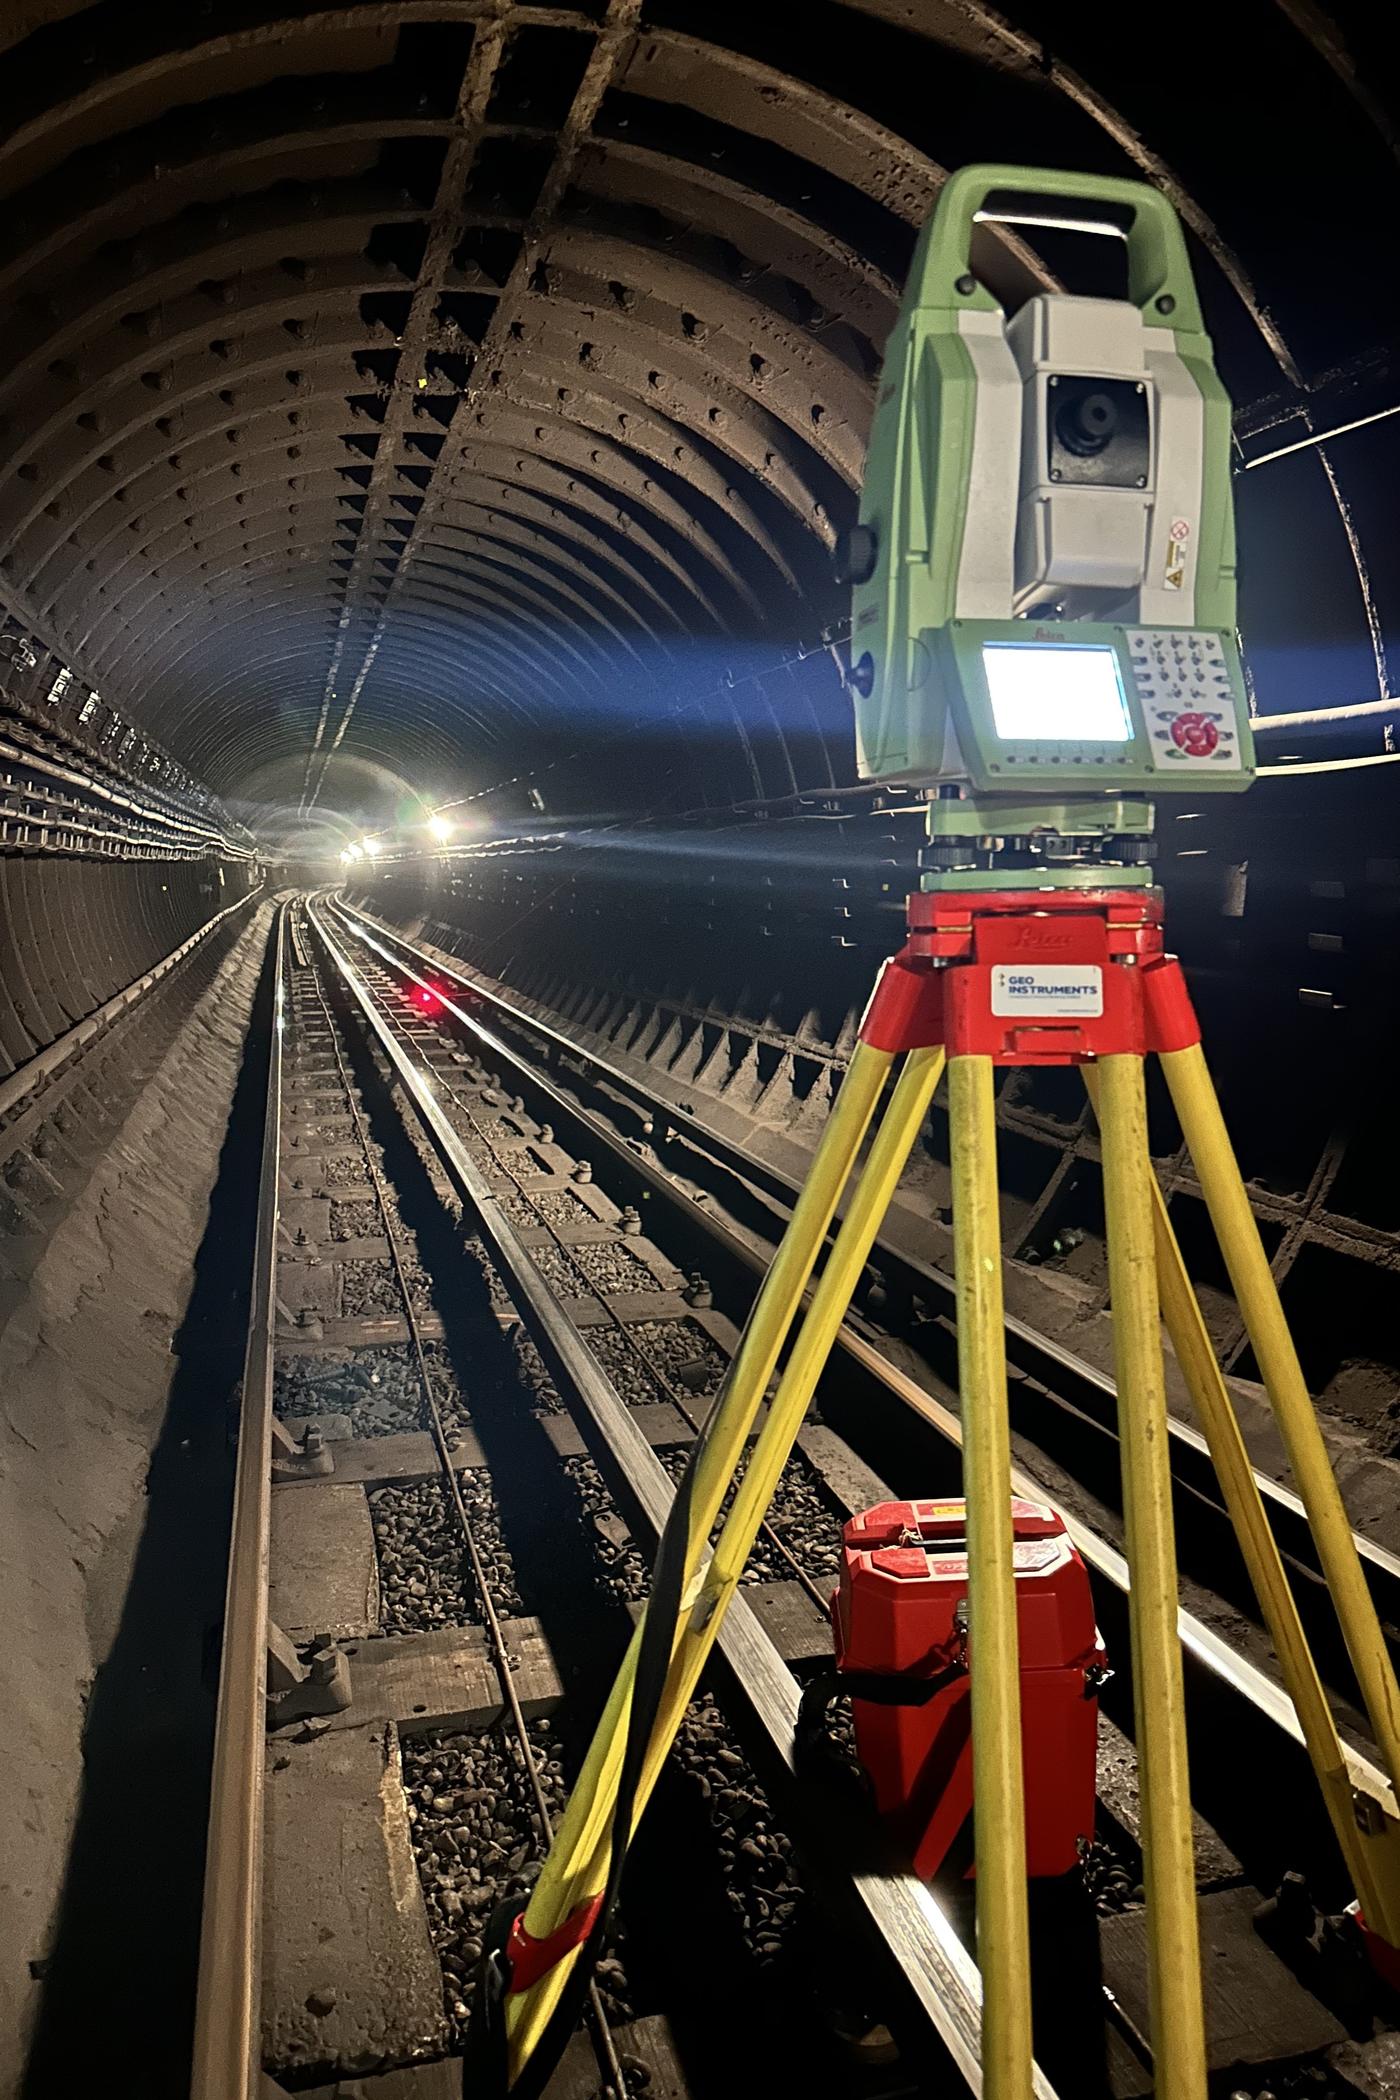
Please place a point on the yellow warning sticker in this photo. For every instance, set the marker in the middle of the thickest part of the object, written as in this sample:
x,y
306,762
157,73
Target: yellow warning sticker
x,y
1174,577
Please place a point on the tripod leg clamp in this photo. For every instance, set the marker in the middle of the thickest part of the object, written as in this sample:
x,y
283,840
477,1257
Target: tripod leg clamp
x,y
1171,1018
905,1010
527,1959
512,1960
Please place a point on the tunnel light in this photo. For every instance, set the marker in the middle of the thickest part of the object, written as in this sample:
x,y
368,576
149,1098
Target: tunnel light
x,y
371,847
441,828
352,853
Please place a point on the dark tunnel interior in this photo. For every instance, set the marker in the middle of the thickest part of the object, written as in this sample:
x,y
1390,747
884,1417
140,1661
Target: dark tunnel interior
x,y
425,431
407,404
416,407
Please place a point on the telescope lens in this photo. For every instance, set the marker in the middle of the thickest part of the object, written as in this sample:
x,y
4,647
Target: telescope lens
x,y
1086,424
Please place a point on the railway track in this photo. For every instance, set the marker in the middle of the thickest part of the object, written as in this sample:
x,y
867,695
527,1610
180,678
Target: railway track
x,y
505,1371
728,1207
420,1608
1064,1406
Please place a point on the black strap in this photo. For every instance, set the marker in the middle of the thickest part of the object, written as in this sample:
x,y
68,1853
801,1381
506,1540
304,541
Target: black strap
x,y
485,2061
876,1687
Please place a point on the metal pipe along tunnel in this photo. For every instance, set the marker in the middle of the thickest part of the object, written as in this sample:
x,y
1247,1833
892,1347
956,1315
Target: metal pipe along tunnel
x,y
438,901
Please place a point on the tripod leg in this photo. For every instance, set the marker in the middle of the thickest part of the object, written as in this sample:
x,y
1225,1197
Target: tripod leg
x,y
831,1299
1196,1358
999,1813
575,1866
1208,1143
780,1294
889,1151
1178,2027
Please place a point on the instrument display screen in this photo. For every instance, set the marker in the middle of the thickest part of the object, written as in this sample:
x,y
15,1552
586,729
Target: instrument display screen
x,y
1056,693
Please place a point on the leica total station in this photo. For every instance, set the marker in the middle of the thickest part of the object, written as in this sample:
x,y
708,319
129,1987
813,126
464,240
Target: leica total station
x,y
1043,642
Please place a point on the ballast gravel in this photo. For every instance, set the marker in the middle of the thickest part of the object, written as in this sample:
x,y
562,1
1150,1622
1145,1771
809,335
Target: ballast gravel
x,y
425,1574
478,1840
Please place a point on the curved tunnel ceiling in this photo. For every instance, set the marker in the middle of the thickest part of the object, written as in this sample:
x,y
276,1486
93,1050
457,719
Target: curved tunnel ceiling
x,y
391,395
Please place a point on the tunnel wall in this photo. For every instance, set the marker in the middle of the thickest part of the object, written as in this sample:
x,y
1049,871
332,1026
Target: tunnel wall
x,y
116,1381
74,932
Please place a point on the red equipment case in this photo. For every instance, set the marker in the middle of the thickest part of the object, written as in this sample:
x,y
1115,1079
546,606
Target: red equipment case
x,y
900,1612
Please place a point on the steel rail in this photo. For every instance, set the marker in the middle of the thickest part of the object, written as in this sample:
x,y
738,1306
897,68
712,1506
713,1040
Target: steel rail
x,y
679,1399
763,1175
932,1959
1205,1645
606,2049
227,2059
46,1064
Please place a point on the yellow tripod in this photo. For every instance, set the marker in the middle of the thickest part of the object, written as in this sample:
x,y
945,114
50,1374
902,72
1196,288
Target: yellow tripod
x,y
934,1004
